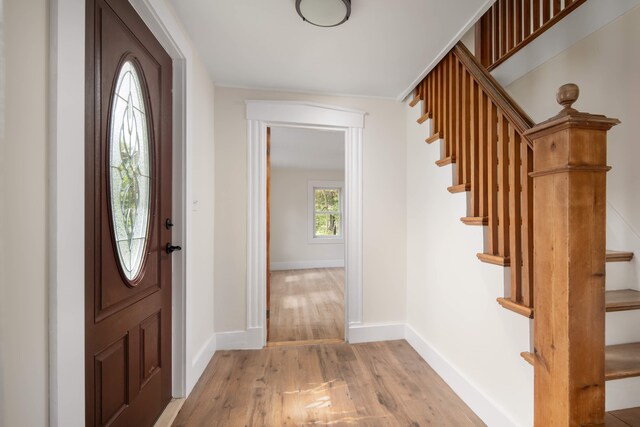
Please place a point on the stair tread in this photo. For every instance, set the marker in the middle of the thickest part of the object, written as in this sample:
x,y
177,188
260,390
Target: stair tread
x,y
436,136
623,417
618,300
423,118
475,220
516,307
619,256
446,161
494,259
459,188
611,420
621,361
623,299
612,256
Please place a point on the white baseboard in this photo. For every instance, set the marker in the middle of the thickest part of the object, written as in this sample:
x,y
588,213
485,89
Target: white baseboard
x,y
200,362
376,332
250,339
479,403
303,265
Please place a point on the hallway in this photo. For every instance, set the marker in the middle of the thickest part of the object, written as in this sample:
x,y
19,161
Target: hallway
x,y
373,384
307,305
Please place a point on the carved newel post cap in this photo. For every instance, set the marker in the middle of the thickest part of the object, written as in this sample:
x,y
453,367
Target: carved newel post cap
x,y
568,94
569,117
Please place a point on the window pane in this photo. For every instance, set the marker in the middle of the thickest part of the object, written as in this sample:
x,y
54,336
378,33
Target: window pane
x,y
327,200
129,164
327,225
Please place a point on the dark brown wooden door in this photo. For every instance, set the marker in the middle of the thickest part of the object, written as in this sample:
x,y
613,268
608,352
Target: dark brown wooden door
x,y
128,202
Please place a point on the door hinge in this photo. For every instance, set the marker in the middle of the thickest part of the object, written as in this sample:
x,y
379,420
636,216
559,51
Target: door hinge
x,y
268,313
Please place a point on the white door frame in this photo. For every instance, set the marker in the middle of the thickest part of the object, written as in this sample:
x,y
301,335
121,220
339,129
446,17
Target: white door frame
x,y
260,115
66,202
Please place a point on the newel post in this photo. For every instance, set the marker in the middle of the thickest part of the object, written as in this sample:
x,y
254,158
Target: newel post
x,y
570,166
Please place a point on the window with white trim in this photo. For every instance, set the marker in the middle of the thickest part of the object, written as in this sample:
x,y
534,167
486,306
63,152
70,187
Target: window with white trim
x,y
325,211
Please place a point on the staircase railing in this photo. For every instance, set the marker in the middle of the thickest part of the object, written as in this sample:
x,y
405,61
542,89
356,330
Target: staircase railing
x,y
493,144
484,135
509,25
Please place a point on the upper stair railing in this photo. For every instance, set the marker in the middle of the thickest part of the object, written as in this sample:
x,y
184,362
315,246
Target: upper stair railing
x,y
509,25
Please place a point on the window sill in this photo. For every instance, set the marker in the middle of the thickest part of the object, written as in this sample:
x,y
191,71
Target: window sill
x,y
326,240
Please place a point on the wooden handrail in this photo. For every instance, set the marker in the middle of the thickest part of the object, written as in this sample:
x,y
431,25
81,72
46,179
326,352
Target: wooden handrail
x,y
518,118
510,25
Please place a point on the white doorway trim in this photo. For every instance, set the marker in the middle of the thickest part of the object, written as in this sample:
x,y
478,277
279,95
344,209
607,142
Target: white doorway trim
x,y
66,203
260,115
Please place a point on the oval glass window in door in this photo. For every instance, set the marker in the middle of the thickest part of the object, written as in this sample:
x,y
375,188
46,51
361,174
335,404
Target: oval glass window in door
x,y
130,171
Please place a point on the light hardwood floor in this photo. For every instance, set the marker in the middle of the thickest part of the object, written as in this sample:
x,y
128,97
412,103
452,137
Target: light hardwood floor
x,y
374,384
307,305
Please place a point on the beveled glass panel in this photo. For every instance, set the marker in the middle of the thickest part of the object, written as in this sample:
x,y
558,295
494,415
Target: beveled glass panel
x,y
130,171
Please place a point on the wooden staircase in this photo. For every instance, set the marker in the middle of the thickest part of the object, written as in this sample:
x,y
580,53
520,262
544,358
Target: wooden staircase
x,y
490,141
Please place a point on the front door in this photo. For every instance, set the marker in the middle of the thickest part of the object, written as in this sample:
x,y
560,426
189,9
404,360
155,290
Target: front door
x,y
128,226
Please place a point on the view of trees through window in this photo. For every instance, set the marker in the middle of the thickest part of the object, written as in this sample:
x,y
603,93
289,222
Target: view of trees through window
x,y
327,212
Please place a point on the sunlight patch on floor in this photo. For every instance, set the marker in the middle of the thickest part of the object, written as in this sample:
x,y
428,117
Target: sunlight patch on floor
x,y
292,278
293,303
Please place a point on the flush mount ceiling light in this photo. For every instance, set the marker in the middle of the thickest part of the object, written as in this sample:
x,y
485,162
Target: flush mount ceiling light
x,y
324,13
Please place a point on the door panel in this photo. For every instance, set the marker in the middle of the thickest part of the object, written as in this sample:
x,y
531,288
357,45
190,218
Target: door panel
x,y
128,318
112,378
118,45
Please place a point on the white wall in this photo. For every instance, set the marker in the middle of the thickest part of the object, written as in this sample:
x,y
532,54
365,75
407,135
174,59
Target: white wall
x,y
290,246
383,199
451,296
23,216
606,66
200,329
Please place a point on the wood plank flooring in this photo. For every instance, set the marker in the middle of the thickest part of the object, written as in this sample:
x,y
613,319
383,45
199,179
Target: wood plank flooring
x,y
307,305
373,384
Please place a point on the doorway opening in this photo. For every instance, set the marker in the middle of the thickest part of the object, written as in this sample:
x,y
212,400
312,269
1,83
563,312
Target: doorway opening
x,y
262,114
305,235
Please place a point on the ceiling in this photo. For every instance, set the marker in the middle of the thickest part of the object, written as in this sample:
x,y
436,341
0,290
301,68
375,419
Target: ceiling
x,y
381,51
307,148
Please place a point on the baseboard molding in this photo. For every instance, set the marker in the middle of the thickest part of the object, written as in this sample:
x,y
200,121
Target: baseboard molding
x,y
359,333
250,339
482,405
200,362
304,265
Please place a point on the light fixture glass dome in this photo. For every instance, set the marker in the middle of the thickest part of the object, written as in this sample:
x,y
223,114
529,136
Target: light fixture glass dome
x,y
324,13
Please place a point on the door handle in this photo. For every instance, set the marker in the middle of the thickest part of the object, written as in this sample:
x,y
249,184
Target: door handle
x,y
170,248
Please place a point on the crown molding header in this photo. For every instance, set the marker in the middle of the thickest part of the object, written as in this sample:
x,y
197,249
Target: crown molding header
x,y
306,113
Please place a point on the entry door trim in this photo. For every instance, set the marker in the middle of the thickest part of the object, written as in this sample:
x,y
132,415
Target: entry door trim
x,y
263,114
67,200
